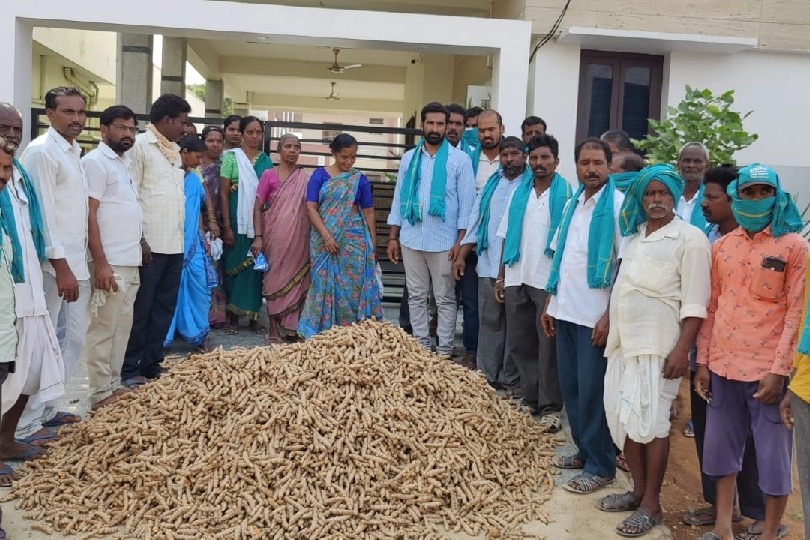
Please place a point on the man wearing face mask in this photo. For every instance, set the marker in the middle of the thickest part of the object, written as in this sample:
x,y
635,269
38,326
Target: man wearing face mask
x,y
528,228
482,237
656,307
746,344
432,201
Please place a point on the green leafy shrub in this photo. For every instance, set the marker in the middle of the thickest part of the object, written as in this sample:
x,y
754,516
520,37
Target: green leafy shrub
x,y
702,117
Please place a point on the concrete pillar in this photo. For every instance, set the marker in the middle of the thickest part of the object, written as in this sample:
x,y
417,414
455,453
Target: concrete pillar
x,y
555,100
16,45
510,78
414,88
173,71
133,84
439,74
213,98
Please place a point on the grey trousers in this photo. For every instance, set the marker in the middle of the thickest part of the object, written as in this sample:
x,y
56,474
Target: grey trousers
x,y
421,269
534,354
492,357
801,419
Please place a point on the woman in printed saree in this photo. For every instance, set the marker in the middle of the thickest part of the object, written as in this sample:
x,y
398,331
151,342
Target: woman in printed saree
x,y
240,171
282,224
344,287
194,298
214,139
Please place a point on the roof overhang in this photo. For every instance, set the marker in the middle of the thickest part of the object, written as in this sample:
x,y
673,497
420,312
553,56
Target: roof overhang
x,y
639,41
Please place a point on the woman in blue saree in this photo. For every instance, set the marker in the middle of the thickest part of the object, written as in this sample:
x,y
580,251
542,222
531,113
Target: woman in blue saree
x,y
194,298
344,287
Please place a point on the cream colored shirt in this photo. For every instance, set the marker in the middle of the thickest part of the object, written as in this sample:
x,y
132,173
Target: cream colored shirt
x,y
55,168
664,278
575,302
159,183
119,212
486,168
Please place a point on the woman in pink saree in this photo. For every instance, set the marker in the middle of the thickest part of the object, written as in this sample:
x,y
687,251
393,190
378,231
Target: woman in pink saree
x,y
282,234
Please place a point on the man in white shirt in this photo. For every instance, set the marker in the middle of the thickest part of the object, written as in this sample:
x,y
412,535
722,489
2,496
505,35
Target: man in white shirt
x,y
158,175
115,232
693,160
482,237
587,251
53,162
521,284
39,367
657,305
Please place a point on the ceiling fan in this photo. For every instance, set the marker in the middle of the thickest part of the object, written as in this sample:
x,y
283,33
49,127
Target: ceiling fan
x,y
332,95
337,68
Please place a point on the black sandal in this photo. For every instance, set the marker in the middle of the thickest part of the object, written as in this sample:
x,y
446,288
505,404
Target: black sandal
x,y
639,520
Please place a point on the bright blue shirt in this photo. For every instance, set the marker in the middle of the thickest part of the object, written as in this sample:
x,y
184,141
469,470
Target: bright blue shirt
x,y
489,261
431,234
363,199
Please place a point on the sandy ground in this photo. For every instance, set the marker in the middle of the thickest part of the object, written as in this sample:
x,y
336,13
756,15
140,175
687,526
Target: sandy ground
x,y
571,516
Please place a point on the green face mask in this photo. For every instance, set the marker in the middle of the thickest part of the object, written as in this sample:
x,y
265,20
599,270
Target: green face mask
x,y
753,215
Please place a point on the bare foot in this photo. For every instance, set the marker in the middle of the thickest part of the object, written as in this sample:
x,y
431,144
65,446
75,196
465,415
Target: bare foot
x,y
20,451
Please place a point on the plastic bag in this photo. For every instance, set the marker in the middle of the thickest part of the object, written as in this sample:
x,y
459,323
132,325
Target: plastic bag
x,y
260,264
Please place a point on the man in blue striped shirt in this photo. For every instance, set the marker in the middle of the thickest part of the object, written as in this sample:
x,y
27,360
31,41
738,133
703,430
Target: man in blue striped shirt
x,y
429,228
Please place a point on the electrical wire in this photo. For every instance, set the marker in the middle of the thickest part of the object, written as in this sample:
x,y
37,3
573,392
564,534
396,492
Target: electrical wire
x,y
552,31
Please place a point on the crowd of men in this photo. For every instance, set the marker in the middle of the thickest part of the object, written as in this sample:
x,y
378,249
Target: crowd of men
x,y
600,299
595,296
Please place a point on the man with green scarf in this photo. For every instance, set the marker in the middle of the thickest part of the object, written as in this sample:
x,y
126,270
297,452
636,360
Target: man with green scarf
x,y
528,227
432,201
40,367
587,251
490,206
693,160
747,342
656,307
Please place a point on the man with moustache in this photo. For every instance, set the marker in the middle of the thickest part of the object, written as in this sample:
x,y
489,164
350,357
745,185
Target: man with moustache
x,y
156,169
455,125
587,251
233,136
432,201
693,160
528,229
53,162
38,362
115,230
531,127
482,237
656,308
490,133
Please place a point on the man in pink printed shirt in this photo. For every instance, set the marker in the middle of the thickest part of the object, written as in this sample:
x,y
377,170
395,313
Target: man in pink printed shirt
x,y
745,346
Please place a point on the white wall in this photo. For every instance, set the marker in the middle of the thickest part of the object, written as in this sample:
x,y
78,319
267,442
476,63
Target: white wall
x,y
772,85
93,51
553,91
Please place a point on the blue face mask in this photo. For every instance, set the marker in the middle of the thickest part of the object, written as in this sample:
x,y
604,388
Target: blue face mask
x,y
753,215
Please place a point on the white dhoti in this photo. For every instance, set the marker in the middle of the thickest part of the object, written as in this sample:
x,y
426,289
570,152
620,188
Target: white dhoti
x,y
40,367
638,398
